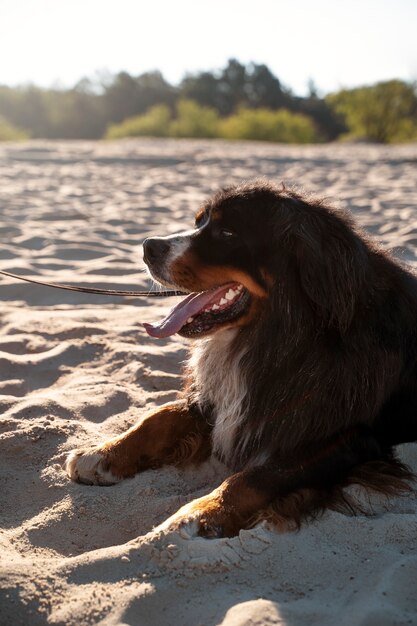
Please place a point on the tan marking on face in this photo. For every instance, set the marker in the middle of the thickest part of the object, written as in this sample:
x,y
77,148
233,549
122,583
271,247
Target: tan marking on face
x,y
188,273
247,281
199,214
216,215
267,277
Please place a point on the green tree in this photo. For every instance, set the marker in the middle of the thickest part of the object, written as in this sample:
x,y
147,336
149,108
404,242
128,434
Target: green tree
x,y
264,90
202,88
236,85
74,113
385,112
127,96
328,123
25,107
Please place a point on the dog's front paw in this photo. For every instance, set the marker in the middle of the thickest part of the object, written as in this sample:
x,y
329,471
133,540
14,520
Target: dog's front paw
x,y
204,517
90,466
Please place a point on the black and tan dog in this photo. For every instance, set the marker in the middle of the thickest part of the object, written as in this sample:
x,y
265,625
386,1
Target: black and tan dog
x,y
303,372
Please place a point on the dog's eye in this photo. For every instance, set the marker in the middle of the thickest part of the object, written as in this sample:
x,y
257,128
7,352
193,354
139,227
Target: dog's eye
x,y
226,233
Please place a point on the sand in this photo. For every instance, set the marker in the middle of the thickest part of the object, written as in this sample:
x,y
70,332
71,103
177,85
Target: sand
x,y
75,369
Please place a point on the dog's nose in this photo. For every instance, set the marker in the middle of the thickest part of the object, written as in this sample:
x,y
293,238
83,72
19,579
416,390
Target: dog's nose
x,y
154,248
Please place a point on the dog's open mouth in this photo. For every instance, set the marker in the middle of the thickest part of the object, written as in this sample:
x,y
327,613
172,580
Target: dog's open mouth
x,y
200,313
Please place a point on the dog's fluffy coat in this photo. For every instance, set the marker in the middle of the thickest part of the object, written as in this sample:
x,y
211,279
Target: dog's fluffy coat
x,y
305,387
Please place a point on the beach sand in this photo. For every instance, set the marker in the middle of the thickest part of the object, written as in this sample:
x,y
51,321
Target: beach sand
x,y
76,369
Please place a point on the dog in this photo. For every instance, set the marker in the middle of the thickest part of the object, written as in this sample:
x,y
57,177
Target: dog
x,y
303,370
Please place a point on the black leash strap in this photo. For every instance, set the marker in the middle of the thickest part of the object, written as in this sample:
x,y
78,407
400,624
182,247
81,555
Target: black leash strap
x,y
101,292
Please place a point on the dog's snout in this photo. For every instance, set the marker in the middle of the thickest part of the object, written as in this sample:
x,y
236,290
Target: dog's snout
x,y
154,248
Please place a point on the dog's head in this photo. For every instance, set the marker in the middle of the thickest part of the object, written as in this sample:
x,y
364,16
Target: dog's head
x,y
254,247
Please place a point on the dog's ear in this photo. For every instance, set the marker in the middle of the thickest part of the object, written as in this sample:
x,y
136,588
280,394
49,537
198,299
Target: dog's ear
x,y
331,264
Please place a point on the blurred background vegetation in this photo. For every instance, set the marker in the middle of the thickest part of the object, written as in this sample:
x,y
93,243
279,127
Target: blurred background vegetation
x,y
237,102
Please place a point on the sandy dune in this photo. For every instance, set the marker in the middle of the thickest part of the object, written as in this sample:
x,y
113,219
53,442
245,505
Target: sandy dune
x,y
77,368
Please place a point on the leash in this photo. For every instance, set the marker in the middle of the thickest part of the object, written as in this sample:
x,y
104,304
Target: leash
x,y
102,292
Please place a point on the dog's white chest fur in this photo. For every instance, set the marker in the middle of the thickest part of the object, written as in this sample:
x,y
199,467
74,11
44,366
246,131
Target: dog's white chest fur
x,y
218,380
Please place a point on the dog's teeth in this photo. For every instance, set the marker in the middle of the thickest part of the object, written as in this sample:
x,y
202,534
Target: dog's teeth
x,y
230,295
240,288
223,301
215,307
190,319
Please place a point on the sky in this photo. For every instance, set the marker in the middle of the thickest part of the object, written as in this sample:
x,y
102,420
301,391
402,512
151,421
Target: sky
x,y
335,43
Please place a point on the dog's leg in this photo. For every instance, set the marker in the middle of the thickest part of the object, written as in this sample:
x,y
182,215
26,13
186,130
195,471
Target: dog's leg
x,y
288,494
172,434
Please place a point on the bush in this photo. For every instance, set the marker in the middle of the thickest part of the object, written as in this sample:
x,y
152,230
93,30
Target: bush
x,y
154,123
8,132
385,112
194,120
266,125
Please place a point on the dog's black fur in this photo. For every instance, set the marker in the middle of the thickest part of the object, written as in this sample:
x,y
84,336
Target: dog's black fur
x,y
319,350
330,359
334,345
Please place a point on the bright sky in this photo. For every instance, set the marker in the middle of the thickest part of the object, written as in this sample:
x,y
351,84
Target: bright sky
x,y
335,43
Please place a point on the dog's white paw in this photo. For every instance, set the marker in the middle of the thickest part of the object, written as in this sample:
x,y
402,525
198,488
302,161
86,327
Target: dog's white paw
x,y
204,517
90,466
186,527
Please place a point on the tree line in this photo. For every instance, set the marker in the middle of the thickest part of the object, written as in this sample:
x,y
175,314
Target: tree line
x,y
238,101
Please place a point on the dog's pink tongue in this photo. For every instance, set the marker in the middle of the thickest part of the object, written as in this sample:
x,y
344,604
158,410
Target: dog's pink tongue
x,y
178,316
